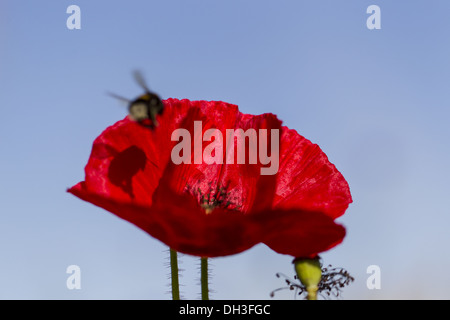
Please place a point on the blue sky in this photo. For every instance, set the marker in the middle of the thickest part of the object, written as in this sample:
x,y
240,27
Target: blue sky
x,y
377,102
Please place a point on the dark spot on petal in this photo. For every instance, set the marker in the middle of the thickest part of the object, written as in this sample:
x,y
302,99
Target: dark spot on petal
x,y
124,166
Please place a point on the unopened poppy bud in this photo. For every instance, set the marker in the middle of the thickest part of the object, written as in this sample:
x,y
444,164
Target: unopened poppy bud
x,y
309,272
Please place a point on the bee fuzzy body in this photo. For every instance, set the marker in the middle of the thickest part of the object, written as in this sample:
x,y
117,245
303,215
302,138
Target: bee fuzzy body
x,y
146,107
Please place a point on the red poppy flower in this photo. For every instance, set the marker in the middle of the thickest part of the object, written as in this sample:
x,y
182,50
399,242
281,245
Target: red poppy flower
x,y
216,209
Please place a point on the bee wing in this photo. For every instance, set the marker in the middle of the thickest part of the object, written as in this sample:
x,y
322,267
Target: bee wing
x,y
120,98
140,80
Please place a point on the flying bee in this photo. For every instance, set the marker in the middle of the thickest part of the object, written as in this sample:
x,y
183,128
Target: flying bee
x,y
145,107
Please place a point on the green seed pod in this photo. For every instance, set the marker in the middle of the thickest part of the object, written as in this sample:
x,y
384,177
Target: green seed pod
x,y
309,272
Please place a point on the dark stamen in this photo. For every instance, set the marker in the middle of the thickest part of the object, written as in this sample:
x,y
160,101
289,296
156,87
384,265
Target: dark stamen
x,y
214,197
331,284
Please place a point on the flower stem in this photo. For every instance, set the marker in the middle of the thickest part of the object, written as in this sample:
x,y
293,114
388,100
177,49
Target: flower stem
x,y
174,275
204,278
312,293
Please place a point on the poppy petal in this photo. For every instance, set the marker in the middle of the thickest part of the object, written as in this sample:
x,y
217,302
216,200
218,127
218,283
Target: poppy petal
x,y
307,179
187,228
301,233
178,221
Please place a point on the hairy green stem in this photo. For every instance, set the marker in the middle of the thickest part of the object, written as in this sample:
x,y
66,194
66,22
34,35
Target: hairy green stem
x,y
204,278
174,275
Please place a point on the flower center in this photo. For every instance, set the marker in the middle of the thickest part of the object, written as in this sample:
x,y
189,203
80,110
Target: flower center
x,y
214,197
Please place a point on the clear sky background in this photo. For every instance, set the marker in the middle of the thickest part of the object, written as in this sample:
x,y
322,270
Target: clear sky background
x,y
377,102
